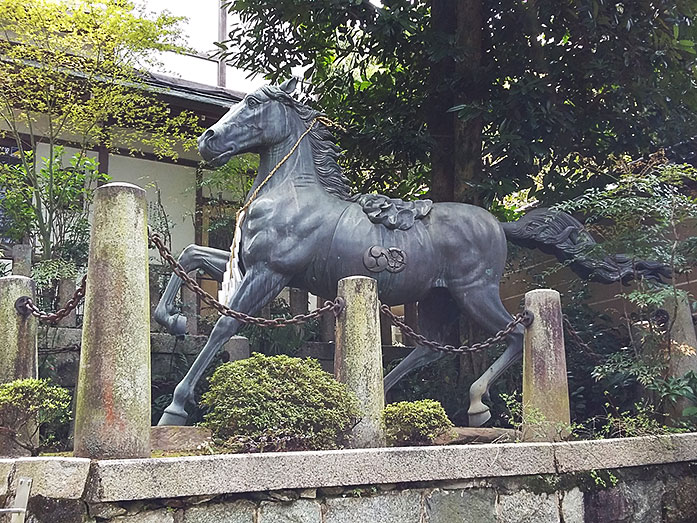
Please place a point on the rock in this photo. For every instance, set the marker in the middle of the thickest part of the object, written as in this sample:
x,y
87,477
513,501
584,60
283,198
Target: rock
x,y
105,510
301,511
645,498
174,438
284,495
391,507
680,500
227,512
607,506
151,516
63,478
572,506
331,491
525,506
448,506
308,493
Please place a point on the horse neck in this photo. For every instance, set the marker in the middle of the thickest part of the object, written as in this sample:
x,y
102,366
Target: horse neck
x,y
299,166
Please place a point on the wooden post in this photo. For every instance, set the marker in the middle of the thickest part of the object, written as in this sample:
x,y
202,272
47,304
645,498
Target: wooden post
x,y
358,356
112,418
546,414
21,260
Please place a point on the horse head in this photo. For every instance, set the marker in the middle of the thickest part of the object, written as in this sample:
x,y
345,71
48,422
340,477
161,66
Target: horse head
x,y
259,121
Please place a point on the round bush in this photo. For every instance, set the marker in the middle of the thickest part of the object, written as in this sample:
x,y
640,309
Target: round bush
x,y
414,422
278,403
32,406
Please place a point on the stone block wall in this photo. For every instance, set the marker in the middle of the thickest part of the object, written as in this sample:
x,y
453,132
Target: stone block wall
x,y
641,495
652,479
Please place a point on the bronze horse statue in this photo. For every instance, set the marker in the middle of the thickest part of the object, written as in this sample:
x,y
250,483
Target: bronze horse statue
x,y
304,229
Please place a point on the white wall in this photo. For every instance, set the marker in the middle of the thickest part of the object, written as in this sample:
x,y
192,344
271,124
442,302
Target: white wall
x,y
177,186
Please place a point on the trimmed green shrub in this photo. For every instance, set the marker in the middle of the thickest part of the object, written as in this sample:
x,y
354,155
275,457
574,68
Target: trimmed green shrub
x,y
278,403
414,422
31,407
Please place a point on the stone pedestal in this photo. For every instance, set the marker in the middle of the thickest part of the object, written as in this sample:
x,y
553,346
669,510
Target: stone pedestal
x,y
112,418
358,356
545,387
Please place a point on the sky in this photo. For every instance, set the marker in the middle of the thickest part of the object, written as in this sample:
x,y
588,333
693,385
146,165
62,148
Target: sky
x,y
201,30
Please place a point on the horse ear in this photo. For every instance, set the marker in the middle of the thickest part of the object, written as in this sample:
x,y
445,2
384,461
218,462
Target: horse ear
x,y
289,85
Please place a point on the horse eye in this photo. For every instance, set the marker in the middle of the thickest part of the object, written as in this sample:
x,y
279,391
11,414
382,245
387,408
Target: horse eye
x,y
252,102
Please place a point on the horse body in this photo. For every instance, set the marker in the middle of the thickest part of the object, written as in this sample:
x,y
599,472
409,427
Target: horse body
x,y
303,229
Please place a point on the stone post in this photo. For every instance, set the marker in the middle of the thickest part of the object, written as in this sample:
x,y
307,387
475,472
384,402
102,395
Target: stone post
x,y
683,343
358,356
17,332
327,324
298,302
18,349
411,318
545,386
190,309
112,418
385,330
66,289
21,260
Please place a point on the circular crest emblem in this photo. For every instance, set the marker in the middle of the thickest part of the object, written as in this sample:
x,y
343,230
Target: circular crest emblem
x,y
378,259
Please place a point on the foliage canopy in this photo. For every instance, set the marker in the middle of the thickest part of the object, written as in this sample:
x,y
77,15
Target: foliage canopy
x,y
70,74
502,95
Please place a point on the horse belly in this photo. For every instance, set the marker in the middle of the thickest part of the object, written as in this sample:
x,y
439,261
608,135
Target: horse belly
x,y
402,262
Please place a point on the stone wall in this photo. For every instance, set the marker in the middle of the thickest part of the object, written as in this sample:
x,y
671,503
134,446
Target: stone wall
x,y
649,479
59,348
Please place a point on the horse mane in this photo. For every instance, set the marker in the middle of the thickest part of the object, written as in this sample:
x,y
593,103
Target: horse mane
x,y
325,151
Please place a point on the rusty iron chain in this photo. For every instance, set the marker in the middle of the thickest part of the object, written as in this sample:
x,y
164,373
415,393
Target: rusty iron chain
x,y
524,318
25,305
335,306
576,339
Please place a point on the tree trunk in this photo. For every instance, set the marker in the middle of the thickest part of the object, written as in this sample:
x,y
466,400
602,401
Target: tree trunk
x,y
468,71
456,161
441,98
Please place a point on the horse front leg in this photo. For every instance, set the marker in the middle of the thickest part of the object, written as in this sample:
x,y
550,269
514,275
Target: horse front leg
x,y
193,257
258,287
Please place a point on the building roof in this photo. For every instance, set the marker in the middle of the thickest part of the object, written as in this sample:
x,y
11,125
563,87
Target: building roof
x,y
194,91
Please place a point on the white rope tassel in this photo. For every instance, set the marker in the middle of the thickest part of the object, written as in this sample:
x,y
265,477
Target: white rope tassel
x,y
233,275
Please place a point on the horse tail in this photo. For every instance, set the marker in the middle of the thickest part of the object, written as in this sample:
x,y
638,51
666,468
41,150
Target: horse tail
x,y
558,233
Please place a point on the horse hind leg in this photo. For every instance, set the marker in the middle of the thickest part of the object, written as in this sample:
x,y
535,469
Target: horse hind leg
x,y
485,308
437,315
193,257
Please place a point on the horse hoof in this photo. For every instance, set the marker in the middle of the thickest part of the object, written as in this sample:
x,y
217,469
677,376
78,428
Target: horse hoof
x,y
176,324
173,416
479,418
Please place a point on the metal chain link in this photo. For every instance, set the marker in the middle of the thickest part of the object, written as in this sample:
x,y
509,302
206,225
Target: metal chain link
x,y
335,306
25,305
524,318
576,339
